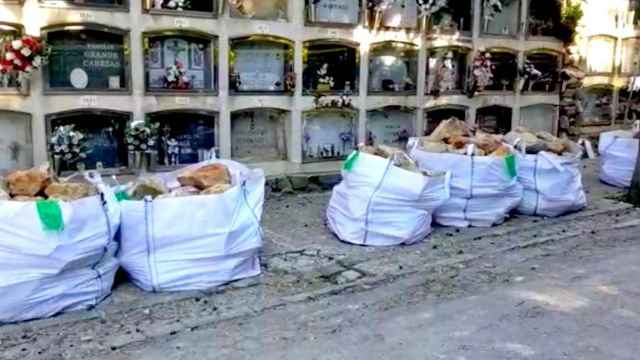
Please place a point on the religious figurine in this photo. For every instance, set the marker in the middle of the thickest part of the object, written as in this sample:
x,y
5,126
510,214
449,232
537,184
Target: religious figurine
x,y
447,74
173,151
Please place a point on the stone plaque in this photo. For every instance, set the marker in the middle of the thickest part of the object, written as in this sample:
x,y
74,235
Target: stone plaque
x,y
259,9
328,135
401,14
258,135
261,67
16,147
539,117
390,126
335,11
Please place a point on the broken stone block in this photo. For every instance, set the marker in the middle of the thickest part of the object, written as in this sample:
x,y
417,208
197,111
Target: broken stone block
x,y
27,182
450,128
69,191
206,176
148,187
216,189
27,198
181,192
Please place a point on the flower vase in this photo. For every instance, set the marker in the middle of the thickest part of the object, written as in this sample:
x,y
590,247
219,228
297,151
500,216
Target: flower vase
x,y
81,166
140,162
23,86
57,164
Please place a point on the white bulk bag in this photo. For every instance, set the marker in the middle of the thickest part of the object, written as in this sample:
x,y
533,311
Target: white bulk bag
x,y
45,273
552,183
379,204
195,242
618,154
482,191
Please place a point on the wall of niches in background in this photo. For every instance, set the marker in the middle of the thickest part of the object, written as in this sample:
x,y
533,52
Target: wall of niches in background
x,y
395,75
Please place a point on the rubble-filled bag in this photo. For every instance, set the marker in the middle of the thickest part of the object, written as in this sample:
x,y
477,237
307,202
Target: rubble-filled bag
x,y
43,273
195,242
484,190
618,154
379,204
552,183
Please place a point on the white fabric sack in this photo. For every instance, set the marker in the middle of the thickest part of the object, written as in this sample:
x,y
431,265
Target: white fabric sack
x,y
482,192
195,242
552,183
379,204
45,273
618,154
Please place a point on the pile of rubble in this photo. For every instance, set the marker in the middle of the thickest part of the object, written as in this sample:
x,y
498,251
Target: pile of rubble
x,y
39,184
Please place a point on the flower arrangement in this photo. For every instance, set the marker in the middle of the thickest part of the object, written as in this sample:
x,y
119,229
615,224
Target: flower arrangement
x,y
290,81
141,136
342,101
325,82
529,74
176,77
179,5
24,55
68,144
482,71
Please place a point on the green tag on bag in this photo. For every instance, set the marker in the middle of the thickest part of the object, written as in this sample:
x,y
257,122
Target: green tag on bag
x,y
50,215
351,161
122,196
510,162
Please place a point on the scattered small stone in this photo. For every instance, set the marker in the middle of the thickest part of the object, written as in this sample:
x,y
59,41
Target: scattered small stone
x,y
86,338
348,276
460,252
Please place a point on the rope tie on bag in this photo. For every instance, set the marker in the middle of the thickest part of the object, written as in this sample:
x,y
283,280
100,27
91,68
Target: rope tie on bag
x,y
94,178
370,202
243,190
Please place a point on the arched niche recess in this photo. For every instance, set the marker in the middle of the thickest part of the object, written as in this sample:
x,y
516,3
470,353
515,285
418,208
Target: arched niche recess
x,y
505,71
104,132
597,104
391,125
16,144
505,22
435,115
547,63
333,12
539,117
180,61
261,64
185,136
87,58
393,68
330,66
259,134
399,14
258,9
446,70
455,18
329,134
494,119
545,18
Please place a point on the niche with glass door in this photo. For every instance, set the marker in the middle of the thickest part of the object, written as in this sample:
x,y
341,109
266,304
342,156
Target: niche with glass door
x,y
275,10
398,14
391,125
16,144
630,56
454,18
541,72
333,12
446,70
117,4
87,58
545,18
504,22
330,66
505,70
8,32
206,8
494,119
184,137
435,115
259,135
328,134
104,131
180,61
597,105
261,64
393,68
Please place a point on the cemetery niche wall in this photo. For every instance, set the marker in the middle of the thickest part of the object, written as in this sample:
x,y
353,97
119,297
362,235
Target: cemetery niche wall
x,y
207,8
494,119
261,64
330,66
446,70
454,18
505,22
104,132
541,71
87,58
393,68
328,134
184,137
179,61
8,32
259,135
540,117
16,144
333,12
259,9
433,116
392,125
